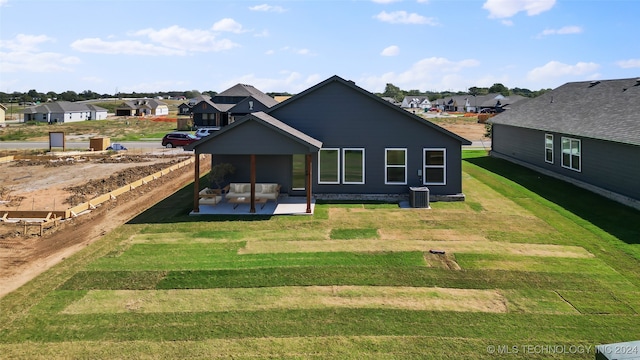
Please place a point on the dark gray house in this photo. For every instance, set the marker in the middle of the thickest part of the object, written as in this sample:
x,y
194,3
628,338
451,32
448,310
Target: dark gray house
x,y
231,104
587,133
340,141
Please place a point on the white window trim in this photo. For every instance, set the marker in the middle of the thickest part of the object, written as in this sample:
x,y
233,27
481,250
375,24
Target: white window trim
x,y
571,140
425,166
344,150
387,166
337,169
547,148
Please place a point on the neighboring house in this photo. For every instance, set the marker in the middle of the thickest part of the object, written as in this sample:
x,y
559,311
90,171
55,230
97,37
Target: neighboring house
x,y
3,113
184,109
416,102
498,102
142,107
316,143
587,133
225,107
392,100
64,111
233,103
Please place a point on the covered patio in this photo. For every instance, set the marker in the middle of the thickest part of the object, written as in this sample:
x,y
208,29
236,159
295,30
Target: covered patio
x,y
286,205
262,147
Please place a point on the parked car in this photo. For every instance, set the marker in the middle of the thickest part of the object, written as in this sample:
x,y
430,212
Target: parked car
x,y
175,139
202,132
116,147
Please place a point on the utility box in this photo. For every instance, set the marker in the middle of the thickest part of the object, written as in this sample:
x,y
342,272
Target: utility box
x,y
99,143
419,197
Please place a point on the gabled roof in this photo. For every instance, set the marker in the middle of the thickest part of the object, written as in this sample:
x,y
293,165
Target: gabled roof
x,y
296,139
378,99
62,107
604,110
139,103
244,90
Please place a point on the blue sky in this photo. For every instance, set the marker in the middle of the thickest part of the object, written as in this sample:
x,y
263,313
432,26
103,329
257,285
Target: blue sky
x,y
288,46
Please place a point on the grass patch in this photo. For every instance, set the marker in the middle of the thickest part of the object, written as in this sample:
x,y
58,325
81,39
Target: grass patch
x,y
353,281
457,247
290,297
347,234
534,263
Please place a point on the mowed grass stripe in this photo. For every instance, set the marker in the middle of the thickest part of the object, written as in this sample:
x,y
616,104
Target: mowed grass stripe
x,y
319,347
289,297
343,275
534,263
202,256
316,322
463,246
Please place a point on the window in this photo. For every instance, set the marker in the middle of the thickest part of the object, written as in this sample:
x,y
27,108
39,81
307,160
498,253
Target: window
x,y
434,172
329,166
548,148
571,158
395,166
353,166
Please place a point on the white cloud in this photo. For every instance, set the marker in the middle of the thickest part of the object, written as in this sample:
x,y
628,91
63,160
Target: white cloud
x,y
289,49
170,41
154,86
228,25
392,50
499,9
43,62
127,47
565,30
268,8
291,80
427,74
403,17
629,64
24,55
555,69
24,42
507,22
3,2
175,37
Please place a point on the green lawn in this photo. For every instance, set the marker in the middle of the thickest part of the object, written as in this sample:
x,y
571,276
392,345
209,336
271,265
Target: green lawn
x,y
534,268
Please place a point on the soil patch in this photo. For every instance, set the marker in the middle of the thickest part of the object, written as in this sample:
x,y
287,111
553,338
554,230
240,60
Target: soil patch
x,y
24,256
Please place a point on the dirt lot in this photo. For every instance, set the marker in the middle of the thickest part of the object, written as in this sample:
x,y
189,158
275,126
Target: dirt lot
x,y
58,184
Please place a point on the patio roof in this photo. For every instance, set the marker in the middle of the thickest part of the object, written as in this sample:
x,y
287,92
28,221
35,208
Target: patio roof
x,y
256,134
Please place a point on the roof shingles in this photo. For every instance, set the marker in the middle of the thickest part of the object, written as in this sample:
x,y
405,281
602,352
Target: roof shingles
x,y
605,110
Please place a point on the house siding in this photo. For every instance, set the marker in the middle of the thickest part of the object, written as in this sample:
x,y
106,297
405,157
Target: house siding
x,y
343,118
269,169
606,165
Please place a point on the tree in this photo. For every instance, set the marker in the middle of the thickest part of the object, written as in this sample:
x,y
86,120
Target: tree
x,y
499,88
393,91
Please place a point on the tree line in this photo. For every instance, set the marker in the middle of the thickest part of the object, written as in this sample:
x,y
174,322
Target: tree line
x,y
34,96
398,94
